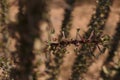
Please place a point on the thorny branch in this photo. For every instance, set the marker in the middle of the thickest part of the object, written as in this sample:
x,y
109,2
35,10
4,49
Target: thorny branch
x,y
92,39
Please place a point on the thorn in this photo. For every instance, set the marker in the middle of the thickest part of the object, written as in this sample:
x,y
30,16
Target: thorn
x,y
81,38
77,33
91,35
63,34
99,48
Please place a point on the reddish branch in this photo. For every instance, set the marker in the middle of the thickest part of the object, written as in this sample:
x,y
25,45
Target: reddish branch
x,y
75,42
78,42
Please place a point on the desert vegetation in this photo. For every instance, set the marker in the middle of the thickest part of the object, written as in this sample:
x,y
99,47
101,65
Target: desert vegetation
x,y
59,40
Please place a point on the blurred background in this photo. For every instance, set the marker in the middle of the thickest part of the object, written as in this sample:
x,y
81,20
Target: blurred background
x,y
25,27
